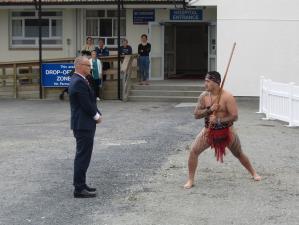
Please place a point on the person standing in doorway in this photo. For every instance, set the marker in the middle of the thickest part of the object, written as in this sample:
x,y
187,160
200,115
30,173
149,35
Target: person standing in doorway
x,y
96,71
84,117
144,49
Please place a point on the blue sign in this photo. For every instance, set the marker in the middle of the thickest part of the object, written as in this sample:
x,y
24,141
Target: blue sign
x,y
181,14
56,75
143,16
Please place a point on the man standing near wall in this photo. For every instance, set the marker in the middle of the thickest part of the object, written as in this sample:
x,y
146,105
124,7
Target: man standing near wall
x,y
84,117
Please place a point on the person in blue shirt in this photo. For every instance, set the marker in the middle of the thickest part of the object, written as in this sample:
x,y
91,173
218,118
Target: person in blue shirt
x,y
125,49
96,71
102,50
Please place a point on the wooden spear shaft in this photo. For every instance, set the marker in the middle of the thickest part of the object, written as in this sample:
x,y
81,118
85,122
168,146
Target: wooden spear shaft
x,y
226,71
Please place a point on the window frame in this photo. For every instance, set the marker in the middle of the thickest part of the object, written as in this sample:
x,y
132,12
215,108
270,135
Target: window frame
x,y
112,18
35,39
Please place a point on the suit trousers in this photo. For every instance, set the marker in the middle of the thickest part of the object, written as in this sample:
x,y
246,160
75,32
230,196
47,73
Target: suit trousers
x,y
84,146
96,87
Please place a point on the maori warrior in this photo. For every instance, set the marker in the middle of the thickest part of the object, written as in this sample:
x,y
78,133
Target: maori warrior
x,y
219,109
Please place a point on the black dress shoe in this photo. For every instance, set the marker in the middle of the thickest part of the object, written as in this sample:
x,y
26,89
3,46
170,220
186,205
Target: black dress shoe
x,y
90,189
84,194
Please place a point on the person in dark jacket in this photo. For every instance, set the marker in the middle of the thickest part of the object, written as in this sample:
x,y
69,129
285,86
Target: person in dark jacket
x,y
84,117
144,49
125,49
102,50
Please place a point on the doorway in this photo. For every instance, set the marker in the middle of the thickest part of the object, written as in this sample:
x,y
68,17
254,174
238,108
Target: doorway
x,y
186,50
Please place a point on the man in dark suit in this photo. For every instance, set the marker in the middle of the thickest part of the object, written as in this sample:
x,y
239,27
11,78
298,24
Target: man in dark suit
x,y
84,117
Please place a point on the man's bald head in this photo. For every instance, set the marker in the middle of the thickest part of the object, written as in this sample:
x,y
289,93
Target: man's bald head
x,y
82,65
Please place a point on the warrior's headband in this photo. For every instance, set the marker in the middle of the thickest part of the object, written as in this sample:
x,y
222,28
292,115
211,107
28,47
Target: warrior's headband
x,y
214,76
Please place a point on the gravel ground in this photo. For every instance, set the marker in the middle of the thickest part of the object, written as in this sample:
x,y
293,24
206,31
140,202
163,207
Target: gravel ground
x,y
139,166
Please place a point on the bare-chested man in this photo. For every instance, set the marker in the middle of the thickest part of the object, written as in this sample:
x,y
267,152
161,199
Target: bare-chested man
x,y
218,117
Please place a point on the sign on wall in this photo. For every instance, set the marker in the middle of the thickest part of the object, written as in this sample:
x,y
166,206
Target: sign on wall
x,y
56,75
181,14
143,16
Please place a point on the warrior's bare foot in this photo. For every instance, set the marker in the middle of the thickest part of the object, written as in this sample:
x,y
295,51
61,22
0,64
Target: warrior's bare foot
x,y
256,177
189,184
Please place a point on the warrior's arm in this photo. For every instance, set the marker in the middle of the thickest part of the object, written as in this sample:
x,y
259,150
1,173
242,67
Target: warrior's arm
x,y
201,111
228,119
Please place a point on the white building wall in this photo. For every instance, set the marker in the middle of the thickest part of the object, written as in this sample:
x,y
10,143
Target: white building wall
x,y
266,33
69,30
134,32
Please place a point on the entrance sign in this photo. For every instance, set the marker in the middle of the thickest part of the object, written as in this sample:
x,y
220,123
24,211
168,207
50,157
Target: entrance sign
x,y
56,75
181,14
143,16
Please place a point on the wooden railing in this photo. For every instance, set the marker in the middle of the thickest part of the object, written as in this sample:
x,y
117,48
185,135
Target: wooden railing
x,y
127,68
20,79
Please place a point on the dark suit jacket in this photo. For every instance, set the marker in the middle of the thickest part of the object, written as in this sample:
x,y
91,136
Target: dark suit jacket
x,y
83,104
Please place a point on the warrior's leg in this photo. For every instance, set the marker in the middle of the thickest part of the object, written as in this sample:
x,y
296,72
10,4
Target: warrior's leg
x,y
198,146
236,149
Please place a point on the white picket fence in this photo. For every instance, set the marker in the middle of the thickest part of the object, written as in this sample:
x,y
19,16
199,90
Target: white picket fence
x,y
279,101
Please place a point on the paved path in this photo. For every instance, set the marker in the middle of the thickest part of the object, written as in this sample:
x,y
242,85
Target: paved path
x,y
139,166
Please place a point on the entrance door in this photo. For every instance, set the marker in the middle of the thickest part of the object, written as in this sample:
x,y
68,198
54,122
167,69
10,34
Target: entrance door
x,y
212,58
170,50
156,38
192,49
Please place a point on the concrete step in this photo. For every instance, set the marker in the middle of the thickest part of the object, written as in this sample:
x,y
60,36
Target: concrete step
x,y
164,93
170,87
163,99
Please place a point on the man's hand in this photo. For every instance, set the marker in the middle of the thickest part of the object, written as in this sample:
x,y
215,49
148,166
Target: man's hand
x,y
99,120
213,119
215,107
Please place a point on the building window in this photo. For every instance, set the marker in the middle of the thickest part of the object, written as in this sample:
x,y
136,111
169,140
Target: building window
x,y
24,29
103,24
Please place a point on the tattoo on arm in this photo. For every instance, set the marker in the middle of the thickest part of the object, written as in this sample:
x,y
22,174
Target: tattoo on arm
x,y
207,112
201,111
229,119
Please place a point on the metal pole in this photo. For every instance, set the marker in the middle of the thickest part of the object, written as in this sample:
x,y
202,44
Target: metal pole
x,y
40,47
118,48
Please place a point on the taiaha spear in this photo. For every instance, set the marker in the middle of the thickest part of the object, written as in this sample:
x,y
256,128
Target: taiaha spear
x,y
226,71
219,139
